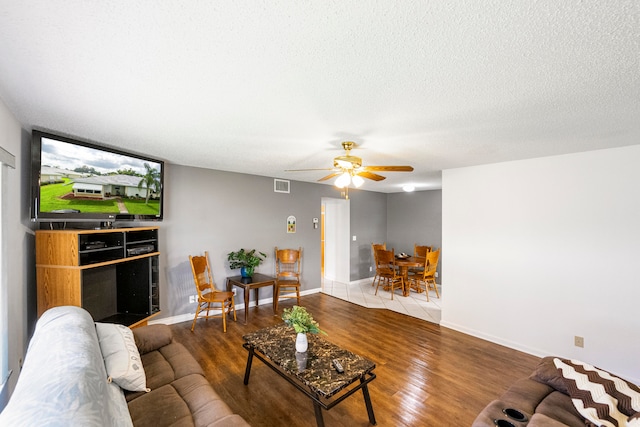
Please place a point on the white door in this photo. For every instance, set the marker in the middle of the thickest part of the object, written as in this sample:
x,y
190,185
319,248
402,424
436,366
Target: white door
x,y
335,246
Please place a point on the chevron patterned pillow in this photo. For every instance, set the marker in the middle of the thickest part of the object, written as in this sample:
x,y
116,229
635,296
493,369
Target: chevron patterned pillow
x,y
599,396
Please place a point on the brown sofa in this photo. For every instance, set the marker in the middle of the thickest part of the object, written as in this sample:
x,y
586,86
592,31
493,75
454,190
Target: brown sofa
x,y
543,399
529,402
75,374
180,394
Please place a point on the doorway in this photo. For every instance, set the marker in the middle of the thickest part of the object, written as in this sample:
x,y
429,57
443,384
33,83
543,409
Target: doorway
x,y
334,235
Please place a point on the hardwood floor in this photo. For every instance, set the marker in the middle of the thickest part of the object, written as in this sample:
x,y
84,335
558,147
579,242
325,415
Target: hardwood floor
x,y
426,375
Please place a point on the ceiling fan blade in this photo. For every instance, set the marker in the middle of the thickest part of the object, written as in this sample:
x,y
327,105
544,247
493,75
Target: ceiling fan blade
x,y
331,175
371,175
388,168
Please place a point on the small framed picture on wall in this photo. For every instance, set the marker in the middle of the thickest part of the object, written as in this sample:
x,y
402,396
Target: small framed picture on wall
x,y
291,224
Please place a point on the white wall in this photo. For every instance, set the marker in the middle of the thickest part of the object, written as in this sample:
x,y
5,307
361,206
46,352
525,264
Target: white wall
x,y
18,240
541,250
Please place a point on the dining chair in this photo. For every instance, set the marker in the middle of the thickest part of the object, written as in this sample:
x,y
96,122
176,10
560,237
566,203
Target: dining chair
x,y
388,271
375,247
419,251
288,271
428,277
209,297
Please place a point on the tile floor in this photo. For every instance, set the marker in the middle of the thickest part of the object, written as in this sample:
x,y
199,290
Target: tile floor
x,y
362,293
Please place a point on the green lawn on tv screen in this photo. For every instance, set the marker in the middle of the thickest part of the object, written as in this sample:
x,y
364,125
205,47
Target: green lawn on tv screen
x,y
51,198
139,207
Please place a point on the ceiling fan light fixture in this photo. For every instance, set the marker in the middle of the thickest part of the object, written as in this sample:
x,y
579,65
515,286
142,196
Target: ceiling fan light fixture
x,y
343,180
357,181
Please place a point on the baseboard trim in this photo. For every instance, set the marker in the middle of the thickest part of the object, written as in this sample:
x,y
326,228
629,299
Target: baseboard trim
x,y
515,345
494,339
188,317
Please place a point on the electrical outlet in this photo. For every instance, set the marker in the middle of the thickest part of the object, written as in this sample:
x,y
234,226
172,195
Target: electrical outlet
x,y
578,341
193,299
235,292
436,274
370,269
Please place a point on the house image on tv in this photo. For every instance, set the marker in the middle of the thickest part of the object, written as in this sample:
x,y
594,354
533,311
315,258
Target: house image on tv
x,y
50,175
106,186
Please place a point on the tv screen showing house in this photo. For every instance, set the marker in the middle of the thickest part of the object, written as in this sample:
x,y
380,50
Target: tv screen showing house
x,y
81,180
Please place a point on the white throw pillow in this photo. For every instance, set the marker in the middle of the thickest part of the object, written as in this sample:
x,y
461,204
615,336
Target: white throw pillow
x,y
121,356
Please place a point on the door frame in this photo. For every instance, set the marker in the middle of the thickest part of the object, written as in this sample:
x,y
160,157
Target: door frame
x,y
335,257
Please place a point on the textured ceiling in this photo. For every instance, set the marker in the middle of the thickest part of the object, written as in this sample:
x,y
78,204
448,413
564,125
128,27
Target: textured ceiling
x,y
264,86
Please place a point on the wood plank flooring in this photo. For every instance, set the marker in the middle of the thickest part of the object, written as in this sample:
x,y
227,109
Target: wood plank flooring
x,y
427,375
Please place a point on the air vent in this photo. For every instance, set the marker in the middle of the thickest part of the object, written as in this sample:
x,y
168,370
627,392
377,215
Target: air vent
x,y
281,186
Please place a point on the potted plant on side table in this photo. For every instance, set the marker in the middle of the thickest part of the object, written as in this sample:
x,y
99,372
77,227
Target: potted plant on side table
x,y
302,323
246,261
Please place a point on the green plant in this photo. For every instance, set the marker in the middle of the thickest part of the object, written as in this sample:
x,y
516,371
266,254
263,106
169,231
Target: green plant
x,y
247,259
301,320
151,180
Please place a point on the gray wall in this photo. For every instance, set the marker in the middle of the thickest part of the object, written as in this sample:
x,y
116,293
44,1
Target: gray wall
x,y
415,218
369,225
219,212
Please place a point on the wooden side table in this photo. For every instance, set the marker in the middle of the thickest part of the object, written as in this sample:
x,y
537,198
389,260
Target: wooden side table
x,y
247,283
404,264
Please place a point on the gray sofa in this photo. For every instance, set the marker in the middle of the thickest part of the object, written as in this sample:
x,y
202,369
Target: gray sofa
x,y
64,380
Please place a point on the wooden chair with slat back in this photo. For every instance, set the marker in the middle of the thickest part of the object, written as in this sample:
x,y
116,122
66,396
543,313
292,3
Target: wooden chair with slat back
x,y
419,251
428,276
209,298
388,271
375,247
288,271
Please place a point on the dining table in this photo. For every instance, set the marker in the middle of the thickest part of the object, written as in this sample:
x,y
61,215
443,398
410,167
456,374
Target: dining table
x,y
403,264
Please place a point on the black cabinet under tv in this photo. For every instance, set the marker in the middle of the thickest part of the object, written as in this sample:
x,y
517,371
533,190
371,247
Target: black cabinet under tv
x,y
113,273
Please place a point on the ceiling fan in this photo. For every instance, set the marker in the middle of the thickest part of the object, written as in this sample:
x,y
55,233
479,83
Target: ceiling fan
x,y
349,169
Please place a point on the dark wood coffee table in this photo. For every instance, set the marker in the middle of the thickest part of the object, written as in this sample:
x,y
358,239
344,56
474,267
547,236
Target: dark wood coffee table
x,y
247,283
312,372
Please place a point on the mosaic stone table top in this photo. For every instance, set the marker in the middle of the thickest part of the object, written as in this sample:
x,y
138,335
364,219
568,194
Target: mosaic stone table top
x,y
313,368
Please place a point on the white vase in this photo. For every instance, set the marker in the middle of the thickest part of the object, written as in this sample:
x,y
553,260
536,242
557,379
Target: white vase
x,y
301,342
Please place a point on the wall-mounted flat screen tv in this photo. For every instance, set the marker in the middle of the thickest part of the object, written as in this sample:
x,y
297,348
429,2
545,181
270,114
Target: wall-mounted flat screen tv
x,y
75,180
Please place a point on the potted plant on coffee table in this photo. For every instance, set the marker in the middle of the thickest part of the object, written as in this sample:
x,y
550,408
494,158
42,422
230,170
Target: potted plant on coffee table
x,y
302,323
246,261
